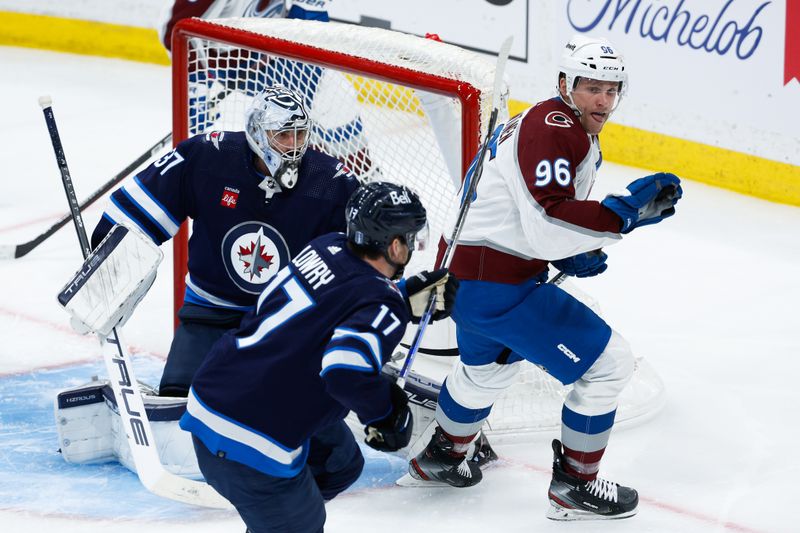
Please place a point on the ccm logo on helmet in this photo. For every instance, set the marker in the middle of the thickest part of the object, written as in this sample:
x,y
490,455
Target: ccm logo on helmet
x,y
399,198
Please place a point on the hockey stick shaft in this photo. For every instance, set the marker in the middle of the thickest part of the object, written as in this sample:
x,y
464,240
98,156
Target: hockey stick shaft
x,y
466,201
15,251
118,364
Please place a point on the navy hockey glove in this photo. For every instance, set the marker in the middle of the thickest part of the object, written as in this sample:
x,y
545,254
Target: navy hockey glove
x,y
418,289
648,200
393,432
583,265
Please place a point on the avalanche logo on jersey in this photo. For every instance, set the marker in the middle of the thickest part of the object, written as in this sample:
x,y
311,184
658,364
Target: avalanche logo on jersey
x,y
253,252
558,119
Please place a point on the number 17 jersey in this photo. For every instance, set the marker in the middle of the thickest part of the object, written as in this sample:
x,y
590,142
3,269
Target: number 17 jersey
x,y
310,352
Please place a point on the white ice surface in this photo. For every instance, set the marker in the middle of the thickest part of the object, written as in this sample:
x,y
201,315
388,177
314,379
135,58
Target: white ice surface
x,y
709,297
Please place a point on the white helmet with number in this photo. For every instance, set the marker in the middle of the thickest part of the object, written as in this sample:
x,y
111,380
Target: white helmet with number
x,y
276,127
594,58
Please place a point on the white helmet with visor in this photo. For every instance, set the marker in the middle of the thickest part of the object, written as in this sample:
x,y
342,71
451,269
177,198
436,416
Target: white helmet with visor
x,y
593,58
276,127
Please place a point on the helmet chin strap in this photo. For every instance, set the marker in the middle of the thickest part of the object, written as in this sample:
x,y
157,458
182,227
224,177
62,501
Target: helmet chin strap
x,y
568,100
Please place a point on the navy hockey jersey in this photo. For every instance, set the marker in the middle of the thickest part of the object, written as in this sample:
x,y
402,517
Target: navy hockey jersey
x,y
239,240
310,352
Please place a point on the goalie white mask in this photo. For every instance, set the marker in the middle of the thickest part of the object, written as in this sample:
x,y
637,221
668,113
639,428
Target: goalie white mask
x,y
276,127
593,58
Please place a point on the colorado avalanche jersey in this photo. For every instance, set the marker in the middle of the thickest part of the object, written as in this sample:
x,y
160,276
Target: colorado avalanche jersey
x,y
311,351
531,202
241,235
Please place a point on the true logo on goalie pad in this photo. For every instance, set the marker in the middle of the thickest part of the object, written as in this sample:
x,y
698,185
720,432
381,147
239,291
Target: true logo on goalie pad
x,y
253,252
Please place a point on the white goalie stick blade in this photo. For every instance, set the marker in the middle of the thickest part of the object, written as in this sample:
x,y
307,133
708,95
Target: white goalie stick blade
x,y
112,280
139,434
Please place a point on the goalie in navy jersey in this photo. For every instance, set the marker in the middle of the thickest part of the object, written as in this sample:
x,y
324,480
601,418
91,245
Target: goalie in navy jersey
x,y
531,210
256,199
266,408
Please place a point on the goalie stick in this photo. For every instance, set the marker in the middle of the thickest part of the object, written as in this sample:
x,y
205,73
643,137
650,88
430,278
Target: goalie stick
x,y
469,192
15,251
118,363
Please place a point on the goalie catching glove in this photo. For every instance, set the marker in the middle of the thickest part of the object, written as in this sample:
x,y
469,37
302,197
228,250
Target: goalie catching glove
x,y
392,432
418,290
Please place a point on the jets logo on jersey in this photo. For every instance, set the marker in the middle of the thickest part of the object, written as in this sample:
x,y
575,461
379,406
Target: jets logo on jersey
x,y
215,137
392,286
253,252
558,119
342,170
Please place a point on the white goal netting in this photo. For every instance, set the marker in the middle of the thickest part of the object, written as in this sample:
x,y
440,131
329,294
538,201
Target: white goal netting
x,y
392,107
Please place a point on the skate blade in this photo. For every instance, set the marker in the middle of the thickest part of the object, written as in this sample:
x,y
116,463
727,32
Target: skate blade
x,y
557,512
410,481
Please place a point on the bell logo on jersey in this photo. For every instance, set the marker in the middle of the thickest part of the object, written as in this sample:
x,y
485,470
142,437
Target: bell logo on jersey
x,y
229,197
558,119
253,252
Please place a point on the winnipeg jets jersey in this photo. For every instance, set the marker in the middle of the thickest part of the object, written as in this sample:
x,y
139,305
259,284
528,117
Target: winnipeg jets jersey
x,y
531,201
242,234
310,352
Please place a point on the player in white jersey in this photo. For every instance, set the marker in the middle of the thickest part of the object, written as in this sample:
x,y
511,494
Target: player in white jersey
x,y
531,210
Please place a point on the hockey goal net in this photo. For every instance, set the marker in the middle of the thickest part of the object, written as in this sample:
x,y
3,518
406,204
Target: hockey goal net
x,y
391,106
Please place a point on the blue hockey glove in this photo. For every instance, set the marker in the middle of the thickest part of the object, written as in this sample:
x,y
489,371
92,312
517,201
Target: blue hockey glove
x,y
393,432
648,200
583,265
418,291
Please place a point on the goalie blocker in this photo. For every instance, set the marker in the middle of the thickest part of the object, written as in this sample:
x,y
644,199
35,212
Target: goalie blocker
x,y
111,282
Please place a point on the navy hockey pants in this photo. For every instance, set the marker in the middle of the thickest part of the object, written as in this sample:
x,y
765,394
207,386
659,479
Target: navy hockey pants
x,y
200,328
287,505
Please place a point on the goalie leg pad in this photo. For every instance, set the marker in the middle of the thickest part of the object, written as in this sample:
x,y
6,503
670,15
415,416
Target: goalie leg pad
x,y
90,432
83,424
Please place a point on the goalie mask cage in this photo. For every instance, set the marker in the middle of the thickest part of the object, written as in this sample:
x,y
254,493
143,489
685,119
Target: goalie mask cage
x,y
390,106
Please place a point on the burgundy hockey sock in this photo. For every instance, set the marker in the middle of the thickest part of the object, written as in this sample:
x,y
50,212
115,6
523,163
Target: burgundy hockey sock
x,y
583,465
460,444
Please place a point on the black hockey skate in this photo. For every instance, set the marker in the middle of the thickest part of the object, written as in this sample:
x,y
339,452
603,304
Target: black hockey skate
x,y
436,464
483,454
572,498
